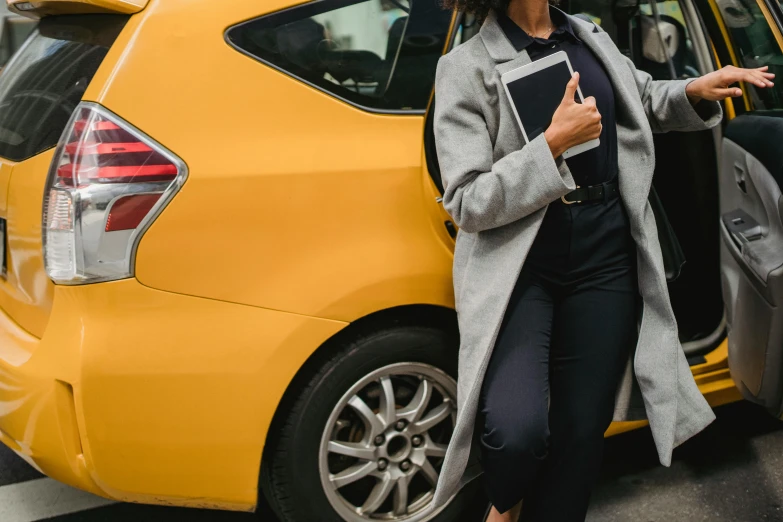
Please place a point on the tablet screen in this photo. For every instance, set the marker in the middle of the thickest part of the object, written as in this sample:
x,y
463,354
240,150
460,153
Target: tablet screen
x,y
537,96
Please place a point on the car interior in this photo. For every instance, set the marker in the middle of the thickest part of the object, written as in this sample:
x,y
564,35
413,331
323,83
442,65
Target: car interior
x,y
409,83
396,73
686,174
751,204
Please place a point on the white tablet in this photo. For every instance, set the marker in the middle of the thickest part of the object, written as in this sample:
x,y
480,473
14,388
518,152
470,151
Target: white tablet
x,y
536,90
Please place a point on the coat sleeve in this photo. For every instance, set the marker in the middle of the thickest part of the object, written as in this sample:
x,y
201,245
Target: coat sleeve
x,y
667,106
479,193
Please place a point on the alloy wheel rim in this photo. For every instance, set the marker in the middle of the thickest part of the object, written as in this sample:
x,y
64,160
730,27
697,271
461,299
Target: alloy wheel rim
x,y
384,442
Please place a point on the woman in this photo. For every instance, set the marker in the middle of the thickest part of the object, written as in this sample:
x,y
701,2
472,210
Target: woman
x,y
564,316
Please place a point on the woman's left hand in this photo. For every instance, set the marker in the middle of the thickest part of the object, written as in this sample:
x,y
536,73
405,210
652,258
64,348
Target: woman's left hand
x,y
715,85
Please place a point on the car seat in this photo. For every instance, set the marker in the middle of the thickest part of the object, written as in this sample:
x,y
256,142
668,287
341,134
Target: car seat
x,y
414,47
659,40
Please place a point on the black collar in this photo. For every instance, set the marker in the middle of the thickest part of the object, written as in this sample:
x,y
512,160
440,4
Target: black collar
x,y
521,40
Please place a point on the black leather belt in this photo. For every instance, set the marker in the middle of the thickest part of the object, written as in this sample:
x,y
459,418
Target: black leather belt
x,y
592,193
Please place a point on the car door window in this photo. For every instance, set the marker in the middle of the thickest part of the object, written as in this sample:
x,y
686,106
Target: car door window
x,y
378,54
754,44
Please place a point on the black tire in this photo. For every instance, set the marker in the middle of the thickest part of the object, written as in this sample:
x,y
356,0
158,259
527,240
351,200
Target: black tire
x,y
290,477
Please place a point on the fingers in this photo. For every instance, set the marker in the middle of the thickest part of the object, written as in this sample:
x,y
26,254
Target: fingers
x,y
597,118
763,71
729,92
573,83
757,77
592,108
594,116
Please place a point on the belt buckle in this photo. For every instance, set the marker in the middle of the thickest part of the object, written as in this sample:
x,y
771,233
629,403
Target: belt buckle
x,y
564,200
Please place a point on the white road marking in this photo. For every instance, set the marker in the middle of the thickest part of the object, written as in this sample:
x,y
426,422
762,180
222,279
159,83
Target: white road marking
x,y
43,498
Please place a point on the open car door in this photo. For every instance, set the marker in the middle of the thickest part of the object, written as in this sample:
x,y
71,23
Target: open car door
x,y
751,177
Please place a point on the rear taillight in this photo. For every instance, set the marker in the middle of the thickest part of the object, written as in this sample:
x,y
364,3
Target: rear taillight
x,y
107,182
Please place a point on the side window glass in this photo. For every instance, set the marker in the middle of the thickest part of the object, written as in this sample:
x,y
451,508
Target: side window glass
x,y
754,45
378,54
666,45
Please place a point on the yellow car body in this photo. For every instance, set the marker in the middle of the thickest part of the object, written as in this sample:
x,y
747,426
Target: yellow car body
x,y
162,388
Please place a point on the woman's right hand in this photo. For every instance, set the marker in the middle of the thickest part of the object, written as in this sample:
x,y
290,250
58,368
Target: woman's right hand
x,y
573,123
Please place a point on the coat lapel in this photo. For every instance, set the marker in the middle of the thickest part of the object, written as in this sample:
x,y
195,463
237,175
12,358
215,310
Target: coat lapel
x,y
634,186
600,43
498,46
630,111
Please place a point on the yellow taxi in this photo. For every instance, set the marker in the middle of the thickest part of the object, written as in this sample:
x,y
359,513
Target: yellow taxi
x,y
225,271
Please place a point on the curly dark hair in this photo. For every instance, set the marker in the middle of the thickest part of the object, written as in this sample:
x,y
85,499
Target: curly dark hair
x,y
480,8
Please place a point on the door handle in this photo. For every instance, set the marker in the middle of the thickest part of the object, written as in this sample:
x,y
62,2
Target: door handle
x,y
739,177
451,229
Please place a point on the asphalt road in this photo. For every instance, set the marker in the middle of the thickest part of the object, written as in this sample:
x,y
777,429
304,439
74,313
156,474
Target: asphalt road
x,y
732,471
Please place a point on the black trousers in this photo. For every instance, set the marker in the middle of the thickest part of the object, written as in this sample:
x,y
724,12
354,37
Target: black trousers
x,y
548,394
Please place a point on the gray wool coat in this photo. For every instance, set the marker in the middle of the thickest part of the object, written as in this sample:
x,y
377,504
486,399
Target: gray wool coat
x,y
497,189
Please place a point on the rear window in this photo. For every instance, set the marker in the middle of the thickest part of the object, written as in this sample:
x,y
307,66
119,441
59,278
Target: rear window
x,y
45,80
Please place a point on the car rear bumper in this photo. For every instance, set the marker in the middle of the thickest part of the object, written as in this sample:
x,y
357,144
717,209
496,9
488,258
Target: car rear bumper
x,y
147,396
37,418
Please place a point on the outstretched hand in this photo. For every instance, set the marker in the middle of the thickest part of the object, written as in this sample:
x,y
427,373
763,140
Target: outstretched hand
x,y
716,86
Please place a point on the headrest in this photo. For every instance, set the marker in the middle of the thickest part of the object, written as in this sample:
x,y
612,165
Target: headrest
x,y
656,36
299,42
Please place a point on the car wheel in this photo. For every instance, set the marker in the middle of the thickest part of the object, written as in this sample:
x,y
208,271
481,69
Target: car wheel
x,y
366,436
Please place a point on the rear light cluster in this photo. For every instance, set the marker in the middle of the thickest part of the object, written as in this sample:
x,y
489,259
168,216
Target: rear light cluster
x,y
106,184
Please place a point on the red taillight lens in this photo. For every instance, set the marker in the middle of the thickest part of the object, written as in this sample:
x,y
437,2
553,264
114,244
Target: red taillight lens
x,y
104,152
80,125
126,213
109,180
